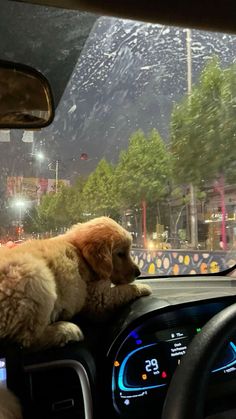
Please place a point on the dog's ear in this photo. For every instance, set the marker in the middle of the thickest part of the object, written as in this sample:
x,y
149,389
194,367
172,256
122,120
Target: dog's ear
x,y
99,257
94,239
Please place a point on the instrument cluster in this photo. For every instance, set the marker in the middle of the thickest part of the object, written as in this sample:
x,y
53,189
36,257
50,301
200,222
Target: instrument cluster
x,y
145,358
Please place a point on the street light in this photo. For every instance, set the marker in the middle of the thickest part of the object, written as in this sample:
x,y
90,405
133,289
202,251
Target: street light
x,y
39,156
20,204
83,156
53,165
56,170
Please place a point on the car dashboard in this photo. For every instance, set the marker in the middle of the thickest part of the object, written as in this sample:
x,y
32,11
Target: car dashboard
x,y
124,366
146,356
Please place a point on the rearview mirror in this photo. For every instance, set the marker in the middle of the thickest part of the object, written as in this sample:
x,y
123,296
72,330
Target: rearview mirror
x,y
25,97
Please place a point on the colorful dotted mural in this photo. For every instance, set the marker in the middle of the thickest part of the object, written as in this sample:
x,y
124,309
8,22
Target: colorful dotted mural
x,y
178,262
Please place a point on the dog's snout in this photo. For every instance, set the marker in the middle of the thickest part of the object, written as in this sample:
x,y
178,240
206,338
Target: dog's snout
x,y
137,271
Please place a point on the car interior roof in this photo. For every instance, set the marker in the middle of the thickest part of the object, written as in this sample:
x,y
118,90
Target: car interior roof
x,y
216,15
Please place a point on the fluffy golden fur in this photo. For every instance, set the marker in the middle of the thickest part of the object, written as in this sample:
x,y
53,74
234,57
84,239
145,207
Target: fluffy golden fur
x,y
9,405
44,283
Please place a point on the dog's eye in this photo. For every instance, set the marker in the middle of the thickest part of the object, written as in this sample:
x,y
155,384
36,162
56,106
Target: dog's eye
x,y
121,254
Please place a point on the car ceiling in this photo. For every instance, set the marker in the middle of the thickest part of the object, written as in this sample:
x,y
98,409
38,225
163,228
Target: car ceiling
x,y
45,38
219,15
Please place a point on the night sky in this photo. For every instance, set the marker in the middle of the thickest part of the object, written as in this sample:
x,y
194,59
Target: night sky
x,y
127,77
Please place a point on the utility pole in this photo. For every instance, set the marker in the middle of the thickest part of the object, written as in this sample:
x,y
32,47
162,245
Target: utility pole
x,y
56,170
193,203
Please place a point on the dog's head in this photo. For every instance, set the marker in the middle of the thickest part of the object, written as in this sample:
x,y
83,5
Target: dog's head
x,y
105,245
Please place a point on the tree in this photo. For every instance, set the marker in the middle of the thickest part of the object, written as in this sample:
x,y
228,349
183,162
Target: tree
x,y
203,131
143,172
203,128
143,169
57,211
99,192
39,218
75,204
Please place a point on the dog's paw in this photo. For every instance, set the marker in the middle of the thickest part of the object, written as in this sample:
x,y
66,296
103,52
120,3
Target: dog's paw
x,y
67,332
60,333
143,290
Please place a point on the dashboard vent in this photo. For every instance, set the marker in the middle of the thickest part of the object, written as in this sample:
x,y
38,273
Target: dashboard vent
x,y
58,391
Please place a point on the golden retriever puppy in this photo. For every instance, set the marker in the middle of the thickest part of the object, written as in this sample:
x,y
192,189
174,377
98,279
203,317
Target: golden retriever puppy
x,y
9,405
44,283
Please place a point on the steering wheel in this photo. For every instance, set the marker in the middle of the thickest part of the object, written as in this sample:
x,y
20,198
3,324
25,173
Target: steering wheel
x,y
186,394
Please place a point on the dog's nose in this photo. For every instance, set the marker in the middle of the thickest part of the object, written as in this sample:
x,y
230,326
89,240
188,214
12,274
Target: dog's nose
x,y
137,272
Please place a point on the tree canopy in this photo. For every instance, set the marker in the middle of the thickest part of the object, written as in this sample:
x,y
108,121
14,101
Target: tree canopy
x,y
143,170
203,127
99,192
201,151
142,173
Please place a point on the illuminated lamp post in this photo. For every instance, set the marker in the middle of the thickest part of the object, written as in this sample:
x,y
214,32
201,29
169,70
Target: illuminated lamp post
x,y
20,204
41,157
56,170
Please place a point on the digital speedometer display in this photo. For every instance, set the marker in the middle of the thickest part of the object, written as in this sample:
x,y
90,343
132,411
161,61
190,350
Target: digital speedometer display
x,y
146,361
150,366
140,370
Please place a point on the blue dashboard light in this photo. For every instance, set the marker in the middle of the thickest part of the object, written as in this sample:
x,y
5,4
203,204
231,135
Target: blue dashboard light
x,y
134,334
231,362
121,383
139,341
233,346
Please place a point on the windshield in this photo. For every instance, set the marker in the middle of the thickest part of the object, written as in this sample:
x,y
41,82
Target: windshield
x,y
144,133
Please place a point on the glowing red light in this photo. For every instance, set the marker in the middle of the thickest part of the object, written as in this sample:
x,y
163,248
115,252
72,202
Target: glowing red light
x,y
84,156
163,374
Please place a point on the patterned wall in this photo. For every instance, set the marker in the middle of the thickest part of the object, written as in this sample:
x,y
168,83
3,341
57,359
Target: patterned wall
x,y
182,262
